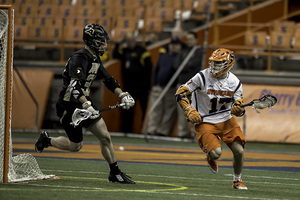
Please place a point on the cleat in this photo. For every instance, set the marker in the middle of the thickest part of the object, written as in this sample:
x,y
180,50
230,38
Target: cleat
x,y
120,178
212,164
42,142
239,185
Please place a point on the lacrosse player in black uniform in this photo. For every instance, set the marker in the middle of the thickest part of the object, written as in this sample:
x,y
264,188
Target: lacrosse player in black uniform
x,y
80,71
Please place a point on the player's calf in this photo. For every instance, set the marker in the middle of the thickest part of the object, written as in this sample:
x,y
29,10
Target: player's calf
x,y
211,158
212,164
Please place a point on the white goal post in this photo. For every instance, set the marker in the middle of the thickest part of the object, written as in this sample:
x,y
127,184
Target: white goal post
x,y
22,167
6,45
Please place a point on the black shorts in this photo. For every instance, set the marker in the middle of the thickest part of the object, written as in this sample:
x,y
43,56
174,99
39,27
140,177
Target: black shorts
x,y
65,111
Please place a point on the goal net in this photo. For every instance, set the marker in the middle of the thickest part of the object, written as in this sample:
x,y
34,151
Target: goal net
x,y
23,167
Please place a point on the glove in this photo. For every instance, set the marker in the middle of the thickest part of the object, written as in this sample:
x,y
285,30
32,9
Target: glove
x,y
88,106
181,97
236,108
126,98
193,115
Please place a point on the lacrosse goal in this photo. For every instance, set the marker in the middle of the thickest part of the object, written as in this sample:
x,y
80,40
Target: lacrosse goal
x,y
22,167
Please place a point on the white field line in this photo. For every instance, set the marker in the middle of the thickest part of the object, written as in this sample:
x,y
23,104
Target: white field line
x,y
162,192
200,179
268,177
65,187
154,192
215,196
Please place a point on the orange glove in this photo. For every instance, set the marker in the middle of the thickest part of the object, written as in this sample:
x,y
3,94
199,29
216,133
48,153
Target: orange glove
x,y
181,97
236,109
192,115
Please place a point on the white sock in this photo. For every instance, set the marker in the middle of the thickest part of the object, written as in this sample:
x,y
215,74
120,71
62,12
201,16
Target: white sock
x,y
236,177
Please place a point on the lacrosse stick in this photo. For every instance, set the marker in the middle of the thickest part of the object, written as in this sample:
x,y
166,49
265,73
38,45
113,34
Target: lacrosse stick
x,y
112,107
82,114
79,115
266,101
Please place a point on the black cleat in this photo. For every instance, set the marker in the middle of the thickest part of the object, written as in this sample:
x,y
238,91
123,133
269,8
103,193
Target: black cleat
x,y
121,178
42,142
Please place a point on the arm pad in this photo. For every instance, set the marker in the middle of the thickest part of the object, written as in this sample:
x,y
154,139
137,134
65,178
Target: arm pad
x,y
111,84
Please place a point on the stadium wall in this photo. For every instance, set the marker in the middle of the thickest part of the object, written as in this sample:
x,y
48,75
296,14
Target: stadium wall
x,y
23,107
278,124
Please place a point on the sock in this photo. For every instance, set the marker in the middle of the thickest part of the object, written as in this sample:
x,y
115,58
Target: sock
x,y
236,177
114,168
49,141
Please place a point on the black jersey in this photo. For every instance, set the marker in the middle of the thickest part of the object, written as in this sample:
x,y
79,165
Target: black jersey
x,y
85,67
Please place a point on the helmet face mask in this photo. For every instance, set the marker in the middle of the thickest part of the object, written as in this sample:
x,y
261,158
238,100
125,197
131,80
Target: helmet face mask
x,y
96,38
216,67
100,46
220,62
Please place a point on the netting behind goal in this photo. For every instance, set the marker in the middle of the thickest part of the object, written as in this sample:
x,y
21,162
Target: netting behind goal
x,y
22,167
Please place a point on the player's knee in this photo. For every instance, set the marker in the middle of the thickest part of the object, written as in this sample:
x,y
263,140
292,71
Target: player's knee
x,y
75,147
237,149
215,153
105,139
239,152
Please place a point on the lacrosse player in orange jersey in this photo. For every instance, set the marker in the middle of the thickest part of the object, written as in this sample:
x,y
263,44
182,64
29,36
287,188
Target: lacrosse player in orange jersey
x,y
211,90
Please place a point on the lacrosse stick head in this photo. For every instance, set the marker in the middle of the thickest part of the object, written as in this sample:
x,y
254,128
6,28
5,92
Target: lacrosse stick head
x,y
80,115
266,101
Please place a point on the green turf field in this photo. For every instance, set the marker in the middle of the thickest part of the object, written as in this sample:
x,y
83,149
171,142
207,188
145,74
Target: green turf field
x,y
83,178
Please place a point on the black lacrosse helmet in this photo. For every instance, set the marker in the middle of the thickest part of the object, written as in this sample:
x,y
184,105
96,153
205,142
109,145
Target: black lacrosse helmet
x,y
96,38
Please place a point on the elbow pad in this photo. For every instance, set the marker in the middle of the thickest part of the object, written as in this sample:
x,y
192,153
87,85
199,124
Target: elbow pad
x,y
181,97
111,84
75,89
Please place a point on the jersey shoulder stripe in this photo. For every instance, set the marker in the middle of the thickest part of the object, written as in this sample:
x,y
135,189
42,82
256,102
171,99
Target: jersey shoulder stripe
x,y
203,78
239,85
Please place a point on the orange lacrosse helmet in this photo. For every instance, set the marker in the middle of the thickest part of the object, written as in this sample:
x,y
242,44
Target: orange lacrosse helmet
x,y
220,62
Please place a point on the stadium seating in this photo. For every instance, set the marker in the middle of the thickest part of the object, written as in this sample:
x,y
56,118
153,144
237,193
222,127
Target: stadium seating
x,y
287,27
54,33
85,3
105,22
60,2
282,33
85,11
37,32
73,33
23,20
154,25
281,40
28,10
6,2
150,17
43,21
47,10
21,32
84,21
186,5
256,39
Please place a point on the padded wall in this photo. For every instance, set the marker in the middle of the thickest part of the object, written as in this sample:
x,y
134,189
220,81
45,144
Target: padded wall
x,y
280,124
23,107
